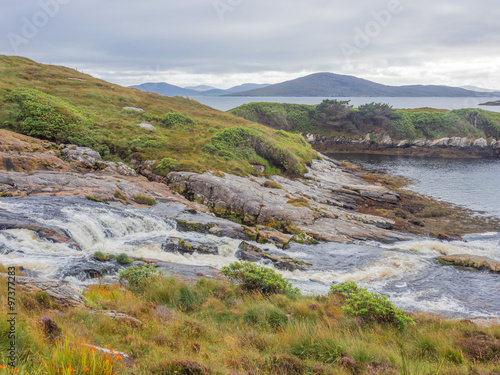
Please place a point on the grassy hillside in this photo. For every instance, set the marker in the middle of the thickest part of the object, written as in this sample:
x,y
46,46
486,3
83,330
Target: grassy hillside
x,y
334,118
66,106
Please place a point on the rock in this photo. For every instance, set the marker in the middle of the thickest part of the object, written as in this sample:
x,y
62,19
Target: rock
x,y
147,126
486,322
481,142
465,142
386,140
121,317
402,144
185,271
83,156
185,226
133,109
118,168
175,244
259,168
59,292
473,261
419,143
251,253
493,143
89,269
304,239
440,142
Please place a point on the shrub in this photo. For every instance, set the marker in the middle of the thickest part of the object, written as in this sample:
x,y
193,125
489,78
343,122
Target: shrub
x,y
370,306
142,199
123,259
284,364
101,257
186,298
136,275
166,165
174,119
255,277
50,327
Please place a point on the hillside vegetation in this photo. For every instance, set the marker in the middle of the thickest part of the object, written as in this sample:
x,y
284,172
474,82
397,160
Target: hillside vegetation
x,y
63,105
334,118
211,327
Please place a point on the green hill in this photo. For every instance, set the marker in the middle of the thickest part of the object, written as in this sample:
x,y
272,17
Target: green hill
x,y
63,105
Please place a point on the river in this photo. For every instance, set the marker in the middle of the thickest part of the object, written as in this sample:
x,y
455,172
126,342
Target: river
x,y
407,272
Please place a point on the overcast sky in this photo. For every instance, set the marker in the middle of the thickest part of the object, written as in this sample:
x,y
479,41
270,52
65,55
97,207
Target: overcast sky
x,y
227,42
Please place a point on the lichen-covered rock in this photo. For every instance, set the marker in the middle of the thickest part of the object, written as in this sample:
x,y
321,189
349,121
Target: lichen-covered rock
x,y
83,156
147,126
481,142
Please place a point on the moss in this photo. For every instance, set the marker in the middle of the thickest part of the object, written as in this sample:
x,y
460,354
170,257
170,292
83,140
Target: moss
x,y
303,238
185,226
299,202
94,199
142,199
118,195
272,185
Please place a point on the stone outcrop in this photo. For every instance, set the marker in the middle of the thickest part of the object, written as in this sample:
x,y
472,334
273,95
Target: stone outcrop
x,y
321,205
472,261
454,146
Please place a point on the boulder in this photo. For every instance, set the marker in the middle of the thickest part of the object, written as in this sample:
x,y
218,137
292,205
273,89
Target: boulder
x,y
440,142
147,126
481,142
133,109
386,140
82,156
251,253
58,291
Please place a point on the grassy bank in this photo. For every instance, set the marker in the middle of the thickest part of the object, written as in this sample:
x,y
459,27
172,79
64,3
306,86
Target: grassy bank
x,y
334,118
66,106
218,327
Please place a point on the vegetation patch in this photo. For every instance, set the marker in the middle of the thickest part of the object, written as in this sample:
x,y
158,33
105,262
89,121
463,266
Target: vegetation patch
x,y
142,199
272,185
371,306
258,278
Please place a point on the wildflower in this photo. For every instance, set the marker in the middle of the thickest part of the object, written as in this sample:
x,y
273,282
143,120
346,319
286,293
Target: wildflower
x,y
2,367
107,345
112,351
86,368
15,371
119,357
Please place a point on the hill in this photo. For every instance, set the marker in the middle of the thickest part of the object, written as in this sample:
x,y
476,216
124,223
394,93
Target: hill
x,y
163,88
336,85
124,124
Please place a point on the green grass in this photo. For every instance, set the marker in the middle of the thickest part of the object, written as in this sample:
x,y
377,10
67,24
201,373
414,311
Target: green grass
x,y
215,327
46,102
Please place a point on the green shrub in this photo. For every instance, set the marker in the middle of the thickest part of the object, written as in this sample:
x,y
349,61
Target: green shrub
x,y
123,259
265,316
166,165
174,119
101,257
370,306
136,275
326,350
259,278
142,199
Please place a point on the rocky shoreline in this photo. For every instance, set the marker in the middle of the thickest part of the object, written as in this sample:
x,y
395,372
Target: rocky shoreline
x,y
463,147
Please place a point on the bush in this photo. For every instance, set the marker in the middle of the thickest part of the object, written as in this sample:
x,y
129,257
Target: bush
x,y
142,199
101,257
370,306
166,165
258,278
174,119
136,275
123,259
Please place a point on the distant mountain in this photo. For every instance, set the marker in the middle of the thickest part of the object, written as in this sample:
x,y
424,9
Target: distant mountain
x,y
480,89
336,85
200,88
166,89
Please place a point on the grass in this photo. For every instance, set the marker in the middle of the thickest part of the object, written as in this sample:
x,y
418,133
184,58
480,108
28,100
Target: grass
x,y
216,327
43,101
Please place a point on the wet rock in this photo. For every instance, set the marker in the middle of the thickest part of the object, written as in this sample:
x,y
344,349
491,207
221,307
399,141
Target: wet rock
x,y
89,269
175,244
185,226
473,261
251,253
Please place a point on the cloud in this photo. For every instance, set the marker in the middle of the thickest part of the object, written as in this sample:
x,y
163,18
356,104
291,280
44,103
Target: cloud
x,y
231,41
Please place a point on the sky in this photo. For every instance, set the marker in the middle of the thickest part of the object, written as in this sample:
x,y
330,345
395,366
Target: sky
x,y
224,43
